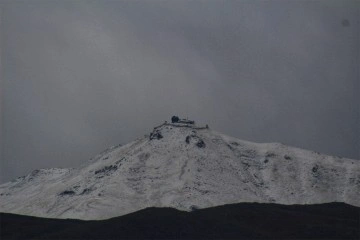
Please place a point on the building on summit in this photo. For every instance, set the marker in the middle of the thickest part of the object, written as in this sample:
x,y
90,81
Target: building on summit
x,y
176,119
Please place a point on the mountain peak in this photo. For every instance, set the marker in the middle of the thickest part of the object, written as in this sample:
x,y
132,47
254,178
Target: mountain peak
x,y
181,128
187,167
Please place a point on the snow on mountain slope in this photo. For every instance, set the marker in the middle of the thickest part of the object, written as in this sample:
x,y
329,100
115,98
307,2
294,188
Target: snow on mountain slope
x,y
185,168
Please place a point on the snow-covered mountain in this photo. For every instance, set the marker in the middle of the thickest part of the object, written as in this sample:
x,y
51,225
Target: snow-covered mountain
x,y
185,167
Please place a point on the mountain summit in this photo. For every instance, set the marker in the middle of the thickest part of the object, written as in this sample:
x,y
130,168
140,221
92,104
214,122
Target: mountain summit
x,y
187,167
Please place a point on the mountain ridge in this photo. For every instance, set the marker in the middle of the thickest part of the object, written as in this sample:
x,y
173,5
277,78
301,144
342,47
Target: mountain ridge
x,y
185,167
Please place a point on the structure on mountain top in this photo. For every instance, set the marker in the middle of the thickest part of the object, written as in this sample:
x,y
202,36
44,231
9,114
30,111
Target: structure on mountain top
x,y
176,119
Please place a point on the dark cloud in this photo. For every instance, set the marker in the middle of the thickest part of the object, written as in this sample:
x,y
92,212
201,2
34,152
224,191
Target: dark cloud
x,y
79,76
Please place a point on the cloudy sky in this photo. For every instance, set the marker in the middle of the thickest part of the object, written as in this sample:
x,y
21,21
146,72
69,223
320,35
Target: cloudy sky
x,y
80,76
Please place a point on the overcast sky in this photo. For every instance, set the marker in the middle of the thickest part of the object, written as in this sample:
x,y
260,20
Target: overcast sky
x,y
80,76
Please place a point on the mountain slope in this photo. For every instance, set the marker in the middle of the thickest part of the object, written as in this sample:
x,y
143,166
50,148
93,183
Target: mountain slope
x,y
236,221
186,168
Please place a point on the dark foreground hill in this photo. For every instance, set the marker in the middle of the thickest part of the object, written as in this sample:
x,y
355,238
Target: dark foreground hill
x,y
236,221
